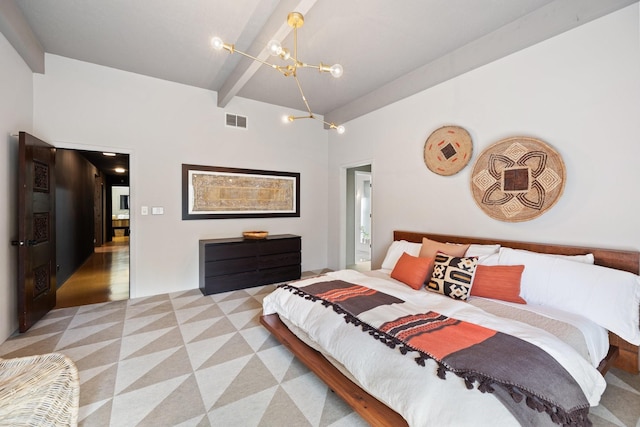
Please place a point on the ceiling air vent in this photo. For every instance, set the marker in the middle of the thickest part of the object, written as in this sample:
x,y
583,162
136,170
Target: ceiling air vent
x,y
235,121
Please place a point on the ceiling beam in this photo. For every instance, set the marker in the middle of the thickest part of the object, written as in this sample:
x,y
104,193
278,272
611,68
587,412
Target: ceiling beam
x,y
18,32
548,21
275,28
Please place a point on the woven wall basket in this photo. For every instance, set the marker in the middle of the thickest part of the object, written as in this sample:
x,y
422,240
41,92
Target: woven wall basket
x,y
448,150
517,179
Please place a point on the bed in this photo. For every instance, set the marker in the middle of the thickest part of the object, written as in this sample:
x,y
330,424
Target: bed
x,y
620,352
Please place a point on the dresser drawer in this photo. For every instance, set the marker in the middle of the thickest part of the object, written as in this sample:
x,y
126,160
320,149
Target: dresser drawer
x,y
231,282
280,274
230,251
278,246
229,266
279,260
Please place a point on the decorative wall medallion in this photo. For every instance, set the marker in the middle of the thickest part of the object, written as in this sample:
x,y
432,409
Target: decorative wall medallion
x,y
448,150
517,179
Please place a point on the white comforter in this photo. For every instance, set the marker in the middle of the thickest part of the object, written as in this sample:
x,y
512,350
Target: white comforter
x,y
411,390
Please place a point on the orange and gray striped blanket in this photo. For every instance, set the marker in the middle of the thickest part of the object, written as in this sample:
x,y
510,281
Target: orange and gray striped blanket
x,y
520,374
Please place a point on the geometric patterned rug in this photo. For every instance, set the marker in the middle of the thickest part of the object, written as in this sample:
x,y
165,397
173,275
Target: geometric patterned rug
x,y
183,359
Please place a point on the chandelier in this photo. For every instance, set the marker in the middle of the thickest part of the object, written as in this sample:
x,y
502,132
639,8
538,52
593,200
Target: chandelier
x,y
294,20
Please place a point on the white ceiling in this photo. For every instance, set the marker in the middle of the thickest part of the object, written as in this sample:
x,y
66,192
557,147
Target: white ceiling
x,y
389,49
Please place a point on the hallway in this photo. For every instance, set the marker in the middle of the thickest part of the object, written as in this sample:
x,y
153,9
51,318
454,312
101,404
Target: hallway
x,y
103,277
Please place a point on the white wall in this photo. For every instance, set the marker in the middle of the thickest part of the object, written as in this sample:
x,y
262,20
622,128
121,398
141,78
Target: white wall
x,y
16,112
163,125
579,92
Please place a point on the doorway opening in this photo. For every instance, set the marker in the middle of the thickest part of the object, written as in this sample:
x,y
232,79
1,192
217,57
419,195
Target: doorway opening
x,y
92,227
358,221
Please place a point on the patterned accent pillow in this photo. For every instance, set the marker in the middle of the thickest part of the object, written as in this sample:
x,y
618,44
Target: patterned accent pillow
x,y
452,276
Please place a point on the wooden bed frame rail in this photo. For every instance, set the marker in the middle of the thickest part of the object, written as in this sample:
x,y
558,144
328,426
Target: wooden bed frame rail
x,y
622,354
370,409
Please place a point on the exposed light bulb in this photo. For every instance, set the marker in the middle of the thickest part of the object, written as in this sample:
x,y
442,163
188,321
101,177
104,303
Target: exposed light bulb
x,y
336,70
291,118
285,54
340,129
119,170
217,43
285,119
274,47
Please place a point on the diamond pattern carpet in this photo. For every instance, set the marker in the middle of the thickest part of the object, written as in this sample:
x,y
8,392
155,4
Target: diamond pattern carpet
x,y
183,359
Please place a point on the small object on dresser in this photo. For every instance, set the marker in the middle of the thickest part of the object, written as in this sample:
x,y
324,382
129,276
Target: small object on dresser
x,y
255,234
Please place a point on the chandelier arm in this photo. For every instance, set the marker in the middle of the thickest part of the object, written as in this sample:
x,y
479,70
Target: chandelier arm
x,y
311,115
292,118
295,20
295,45
330,125
304,98
268,64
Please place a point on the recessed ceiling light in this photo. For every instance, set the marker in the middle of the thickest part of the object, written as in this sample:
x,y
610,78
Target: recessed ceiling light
x,y
109,154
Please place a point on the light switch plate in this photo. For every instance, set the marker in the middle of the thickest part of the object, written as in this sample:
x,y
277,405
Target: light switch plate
x,y
157,210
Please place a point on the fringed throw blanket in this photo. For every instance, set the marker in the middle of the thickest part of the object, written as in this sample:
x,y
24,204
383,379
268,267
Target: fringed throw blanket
x,y
513,369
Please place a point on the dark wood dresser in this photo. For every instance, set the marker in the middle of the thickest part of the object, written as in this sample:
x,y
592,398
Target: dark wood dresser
x,y
238,263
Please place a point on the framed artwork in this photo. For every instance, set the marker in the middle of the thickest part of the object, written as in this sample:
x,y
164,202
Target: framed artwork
x,y
213,192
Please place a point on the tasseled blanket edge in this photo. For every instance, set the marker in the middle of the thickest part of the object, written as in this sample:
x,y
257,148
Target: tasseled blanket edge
x,y
485,384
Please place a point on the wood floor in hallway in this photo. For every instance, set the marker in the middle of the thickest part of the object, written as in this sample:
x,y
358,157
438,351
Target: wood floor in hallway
x,y
103,277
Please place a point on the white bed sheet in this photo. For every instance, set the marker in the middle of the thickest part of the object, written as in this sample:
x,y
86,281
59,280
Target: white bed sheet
x,y
596,338
414,391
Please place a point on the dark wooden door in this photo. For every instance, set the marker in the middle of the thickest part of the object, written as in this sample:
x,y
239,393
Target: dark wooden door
x,y
97,211
36,230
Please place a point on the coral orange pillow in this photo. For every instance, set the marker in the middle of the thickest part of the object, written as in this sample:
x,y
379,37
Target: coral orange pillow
x,y
430,248
411,270
498,282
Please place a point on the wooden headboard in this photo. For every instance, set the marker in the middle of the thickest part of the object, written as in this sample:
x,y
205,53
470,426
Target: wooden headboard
x,y
612,258
628,358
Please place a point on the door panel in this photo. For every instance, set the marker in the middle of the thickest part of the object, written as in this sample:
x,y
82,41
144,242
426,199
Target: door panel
x,y
36,230
97,211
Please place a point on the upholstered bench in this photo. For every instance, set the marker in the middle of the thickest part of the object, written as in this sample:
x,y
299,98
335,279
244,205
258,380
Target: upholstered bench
x,y
40,390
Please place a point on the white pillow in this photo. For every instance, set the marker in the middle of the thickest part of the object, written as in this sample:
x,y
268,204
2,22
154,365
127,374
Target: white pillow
x,y
492,259
607,296
586,259
481,250
397,248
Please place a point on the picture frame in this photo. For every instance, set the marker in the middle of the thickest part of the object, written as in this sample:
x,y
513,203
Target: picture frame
x,y
215,192
124,202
